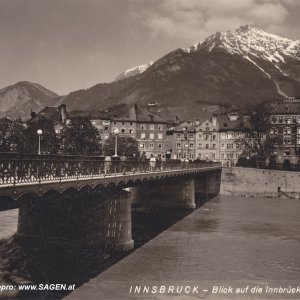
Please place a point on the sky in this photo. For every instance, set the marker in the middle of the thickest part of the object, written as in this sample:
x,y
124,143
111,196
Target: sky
x,y
66,45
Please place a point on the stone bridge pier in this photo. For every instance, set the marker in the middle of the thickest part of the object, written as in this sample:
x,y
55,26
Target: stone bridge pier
x,y
87,218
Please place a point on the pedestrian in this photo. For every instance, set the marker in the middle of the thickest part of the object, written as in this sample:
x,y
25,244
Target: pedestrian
x,y
123,160
143,160
107,165
152,163
158,162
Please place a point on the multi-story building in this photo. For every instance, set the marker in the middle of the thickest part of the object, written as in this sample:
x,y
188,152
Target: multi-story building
x,y
184,141
285,124
151,134
231,131
207,140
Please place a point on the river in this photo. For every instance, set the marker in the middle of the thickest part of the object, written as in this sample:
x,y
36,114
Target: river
x,y
228,242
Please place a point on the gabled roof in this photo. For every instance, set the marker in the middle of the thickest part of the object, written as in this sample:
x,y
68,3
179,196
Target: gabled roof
x,y
225,124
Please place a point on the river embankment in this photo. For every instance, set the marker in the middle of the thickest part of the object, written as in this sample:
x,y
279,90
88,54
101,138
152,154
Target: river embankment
x,y
250,182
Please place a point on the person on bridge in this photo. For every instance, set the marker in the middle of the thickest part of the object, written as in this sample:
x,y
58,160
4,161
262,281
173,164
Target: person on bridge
x,y
144,162
123,160
152,162
107,165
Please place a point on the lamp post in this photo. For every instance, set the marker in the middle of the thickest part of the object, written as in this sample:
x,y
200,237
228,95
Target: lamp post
x,y
39,132
116,132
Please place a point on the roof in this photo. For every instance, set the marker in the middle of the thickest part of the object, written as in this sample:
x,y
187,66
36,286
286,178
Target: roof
x,y
225,124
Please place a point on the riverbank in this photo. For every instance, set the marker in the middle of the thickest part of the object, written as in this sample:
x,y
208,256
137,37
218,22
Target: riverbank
x,y
248,182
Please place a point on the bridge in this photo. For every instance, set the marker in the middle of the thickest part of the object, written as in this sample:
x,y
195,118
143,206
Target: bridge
x,y
79,198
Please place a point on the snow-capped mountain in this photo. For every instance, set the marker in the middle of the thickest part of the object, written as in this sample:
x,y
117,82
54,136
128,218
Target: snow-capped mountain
x,y
255,45
238,67
134,71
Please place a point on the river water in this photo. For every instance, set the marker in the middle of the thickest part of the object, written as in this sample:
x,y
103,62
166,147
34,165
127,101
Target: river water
x,y
229,242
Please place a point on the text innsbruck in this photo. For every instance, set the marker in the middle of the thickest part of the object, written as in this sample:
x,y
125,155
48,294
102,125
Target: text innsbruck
x,y
215,289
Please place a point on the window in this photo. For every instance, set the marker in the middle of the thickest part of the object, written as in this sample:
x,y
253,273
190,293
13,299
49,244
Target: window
x,y
191,145
191,156
294,119
191,136
151,136
178,136
151,145
199,155
151,127
131,130
222,155
178,146
229,146
130,123
143,135
200,136
287,152
286,108
286,141
123,130
160,146
213,155
143,126
206,146
222,145
237,155
123,123
200,145
214,146
287,130
160,127
185,136
206,128
237,146
214,137
160,136
106,128
142,146
115,123
280,119
274,120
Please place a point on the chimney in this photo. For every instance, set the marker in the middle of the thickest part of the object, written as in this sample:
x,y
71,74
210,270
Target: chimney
x,y
63,113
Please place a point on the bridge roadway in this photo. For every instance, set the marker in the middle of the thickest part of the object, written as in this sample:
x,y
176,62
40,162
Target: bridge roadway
x,y
22,174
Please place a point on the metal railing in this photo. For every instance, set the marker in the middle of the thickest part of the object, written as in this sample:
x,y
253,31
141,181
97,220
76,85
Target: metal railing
x,y
29,168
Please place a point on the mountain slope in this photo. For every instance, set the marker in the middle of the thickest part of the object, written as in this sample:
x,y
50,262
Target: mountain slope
x,y
19,99
238,67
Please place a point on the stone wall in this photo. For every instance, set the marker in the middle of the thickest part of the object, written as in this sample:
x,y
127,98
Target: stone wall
x,y
250,182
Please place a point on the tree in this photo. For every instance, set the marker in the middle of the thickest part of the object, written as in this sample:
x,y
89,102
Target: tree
x,y
49,141
257,140
80,137
126,145
11,135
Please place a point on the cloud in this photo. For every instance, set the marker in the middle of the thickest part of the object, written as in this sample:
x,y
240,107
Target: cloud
x,y
193,20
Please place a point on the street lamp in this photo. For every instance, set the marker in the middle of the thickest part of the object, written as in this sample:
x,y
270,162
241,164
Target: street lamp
x,y
116,132
39,132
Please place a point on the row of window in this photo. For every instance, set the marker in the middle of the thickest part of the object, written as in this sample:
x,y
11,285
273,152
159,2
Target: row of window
x,y
230,155
285,119
152,146
231,146
151,136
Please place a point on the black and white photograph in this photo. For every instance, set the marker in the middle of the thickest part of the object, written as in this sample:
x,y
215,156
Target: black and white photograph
x,y
150,149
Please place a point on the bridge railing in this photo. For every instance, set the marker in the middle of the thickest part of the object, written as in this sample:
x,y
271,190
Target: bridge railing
x,y
28,168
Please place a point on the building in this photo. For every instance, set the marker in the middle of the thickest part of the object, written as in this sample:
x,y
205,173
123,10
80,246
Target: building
x,y
285,124
58,115
207,140
231,131
184,141
151,133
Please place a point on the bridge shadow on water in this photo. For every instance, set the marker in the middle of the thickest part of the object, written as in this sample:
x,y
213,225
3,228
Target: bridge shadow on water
x,y
24,262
